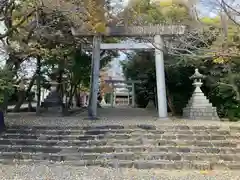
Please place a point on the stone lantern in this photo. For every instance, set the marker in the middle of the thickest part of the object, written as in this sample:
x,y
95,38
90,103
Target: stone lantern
x,y
21,85
53,101
199,107
54,85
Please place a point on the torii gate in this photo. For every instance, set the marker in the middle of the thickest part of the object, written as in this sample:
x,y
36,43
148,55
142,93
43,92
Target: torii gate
x,y
157,31
132,82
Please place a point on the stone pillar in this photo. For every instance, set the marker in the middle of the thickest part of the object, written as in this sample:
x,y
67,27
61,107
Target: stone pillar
x,y
160,78
199,107
95,79
128,98
112,96
88,99
22,86
42,95
133,95
84,99
150,105
53,102
103,102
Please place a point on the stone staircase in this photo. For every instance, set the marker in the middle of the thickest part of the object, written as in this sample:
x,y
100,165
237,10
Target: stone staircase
x,y
131,146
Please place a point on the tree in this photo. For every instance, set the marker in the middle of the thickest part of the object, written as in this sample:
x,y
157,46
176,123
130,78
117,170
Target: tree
x,y
45,31
6,84
141,66
214,48
231,9
8,15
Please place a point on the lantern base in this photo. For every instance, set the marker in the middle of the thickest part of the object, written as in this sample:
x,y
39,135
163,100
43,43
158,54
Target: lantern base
x,y
200,113
53,104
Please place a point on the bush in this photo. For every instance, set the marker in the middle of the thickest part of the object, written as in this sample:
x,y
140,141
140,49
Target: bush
x,y
6,84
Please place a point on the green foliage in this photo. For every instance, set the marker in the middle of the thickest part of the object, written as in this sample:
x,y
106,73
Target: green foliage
x,y
108,97
81,68
165,12
6,83
211,21
224,98
142,67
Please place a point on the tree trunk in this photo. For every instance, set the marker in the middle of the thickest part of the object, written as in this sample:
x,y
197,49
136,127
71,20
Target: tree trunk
x,y
71,94
30,108
38,82
232,83
170,102
4,105
60,87
9,66
22,95
60,81
169,98
21,99
77,98
2,123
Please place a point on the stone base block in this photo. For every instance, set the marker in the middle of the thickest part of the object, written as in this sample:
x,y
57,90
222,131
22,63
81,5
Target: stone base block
x,y
150,105
53,111
203,113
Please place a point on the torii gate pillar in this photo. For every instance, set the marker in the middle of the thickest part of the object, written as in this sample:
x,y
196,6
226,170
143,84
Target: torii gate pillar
x,y
92,107
160,77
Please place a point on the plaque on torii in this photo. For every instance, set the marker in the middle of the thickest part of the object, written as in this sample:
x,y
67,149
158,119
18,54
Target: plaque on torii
x,y
135,31
132,31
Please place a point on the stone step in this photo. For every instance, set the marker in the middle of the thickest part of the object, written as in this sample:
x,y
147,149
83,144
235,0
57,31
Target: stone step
x,y
120,164
110,149
117,131
139,126
122,156
171,127
138,164
73,127
235,128
130,142
119,136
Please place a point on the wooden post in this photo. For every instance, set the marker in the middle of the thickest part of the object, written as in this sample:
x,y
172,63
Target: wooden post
x,y
95,77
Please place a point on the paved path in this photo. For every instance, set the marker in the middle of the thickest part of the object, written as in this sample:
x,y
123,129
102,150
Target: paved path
x,y
59,172
130,116
11,107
